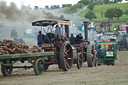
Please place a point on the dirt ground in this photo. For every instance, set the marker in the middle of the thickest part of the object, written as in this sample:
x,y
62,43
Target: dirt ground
x,y
100,75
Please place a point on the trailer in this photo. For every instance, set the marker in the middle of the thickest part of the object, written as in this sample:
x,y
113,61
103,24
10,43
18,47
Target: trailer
x,y
36,59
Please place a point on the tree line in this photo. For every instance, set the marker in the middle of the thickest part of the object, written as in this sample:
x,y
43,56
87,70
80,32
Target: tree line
x,y
110,13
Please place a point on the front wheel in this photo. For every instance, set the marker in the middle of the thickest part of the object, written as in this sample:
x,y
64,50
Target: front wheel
x,y
79,61
38,66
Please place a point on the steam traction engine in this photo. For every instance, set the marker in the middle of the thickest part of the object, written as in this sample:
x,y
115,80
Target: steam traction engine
x,y
56,38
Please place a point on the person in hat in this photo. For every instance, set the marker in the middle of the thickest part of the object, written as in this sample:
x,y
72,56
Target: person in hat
x,y
79,38
40,38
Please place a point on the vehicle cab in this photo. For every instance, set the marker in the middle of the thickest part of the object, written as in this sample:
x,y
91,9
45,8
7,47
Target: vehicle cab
x,y
109,52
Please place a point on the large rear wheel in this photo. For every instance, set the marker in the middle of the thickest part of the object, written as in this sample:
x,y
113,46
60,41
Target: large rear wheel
x,y
66,56
91,60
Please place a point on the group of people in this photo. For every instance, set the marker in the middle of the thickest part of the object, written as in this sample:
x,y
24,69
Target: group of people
x,y
73,40
76,40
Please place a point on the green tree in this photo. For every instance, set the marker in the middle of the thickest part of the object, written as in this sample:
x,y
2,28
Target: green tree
x,y
85,2
73,8
126,12
90,15
105,1
110,13
90,6
115,1
118,13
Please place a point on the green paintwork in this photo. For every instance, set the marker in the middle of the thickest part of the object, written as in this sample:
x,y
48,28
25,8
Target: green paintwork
x,y
40,67
109,57
26,55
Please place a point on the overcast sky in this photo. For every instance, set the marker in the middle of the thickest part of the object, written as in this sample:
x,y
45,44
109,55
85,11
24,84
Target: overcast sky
x,y
41,3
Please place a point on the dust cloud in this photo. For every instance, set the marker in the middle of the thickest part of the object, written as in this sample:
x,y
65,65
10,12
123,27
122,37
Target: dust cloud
x,y
11,17
12,14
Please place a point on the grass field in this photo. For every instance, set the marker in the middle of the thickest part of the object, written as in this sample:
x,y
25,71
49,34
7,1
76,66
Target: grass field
x,y
102,8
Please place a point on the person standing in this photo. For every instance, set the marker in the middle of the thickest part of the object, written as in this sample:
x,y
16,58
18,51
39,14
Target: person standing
x,y
72,39
14,34
99,52
40,39
79,38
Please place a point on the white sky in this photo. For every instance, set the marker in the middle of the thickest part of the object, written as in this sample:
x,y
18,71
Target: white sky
x,y
41,3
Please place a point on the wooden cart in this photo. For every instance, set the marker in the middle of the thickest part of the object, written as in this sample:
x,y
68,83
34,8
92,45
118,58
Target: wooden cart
x,y
36,59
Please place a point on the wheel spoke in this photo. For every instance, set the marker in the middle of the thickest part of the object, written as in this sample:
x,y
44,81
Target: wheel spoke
x,y
80,59
66,63
66,51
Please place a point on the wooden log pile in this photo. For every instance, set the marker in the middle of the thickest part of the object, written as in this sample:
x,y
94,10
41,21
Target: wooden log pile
x,y
11,47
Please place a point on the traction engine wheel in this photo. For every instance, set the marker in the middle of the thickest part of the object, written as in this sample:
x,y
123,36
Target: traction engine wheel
x,y
79,61
66,56
38,66
91,60
6,70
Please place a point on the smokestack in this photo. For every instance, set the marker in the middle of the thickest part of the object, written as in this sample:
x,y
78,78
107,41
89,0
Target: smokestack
x,y
86,30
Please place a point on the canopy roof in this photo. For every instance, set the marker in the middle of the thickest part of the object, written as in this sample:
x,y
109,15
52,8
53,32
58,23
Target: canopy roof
x,y
50,22
106,42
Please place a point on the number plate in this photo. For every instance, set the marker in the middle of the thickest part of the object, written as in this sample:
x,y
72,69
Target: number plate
x,y
109,53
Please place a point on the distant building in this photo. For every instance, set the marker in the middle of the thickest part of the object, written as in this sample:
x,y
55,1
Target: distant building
x,y
54,7
36,7
124,1
66,5
46,7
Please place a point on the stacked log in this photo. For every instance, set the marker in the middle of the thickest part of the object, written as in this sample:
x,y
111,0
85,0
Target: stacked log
x,y
11,47
35,49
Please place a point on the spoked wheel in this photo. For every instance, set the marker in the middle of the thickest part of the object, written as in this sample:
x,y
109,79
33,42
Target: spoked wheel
x,y
38,66
6,70
90,58
66,56
79,61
